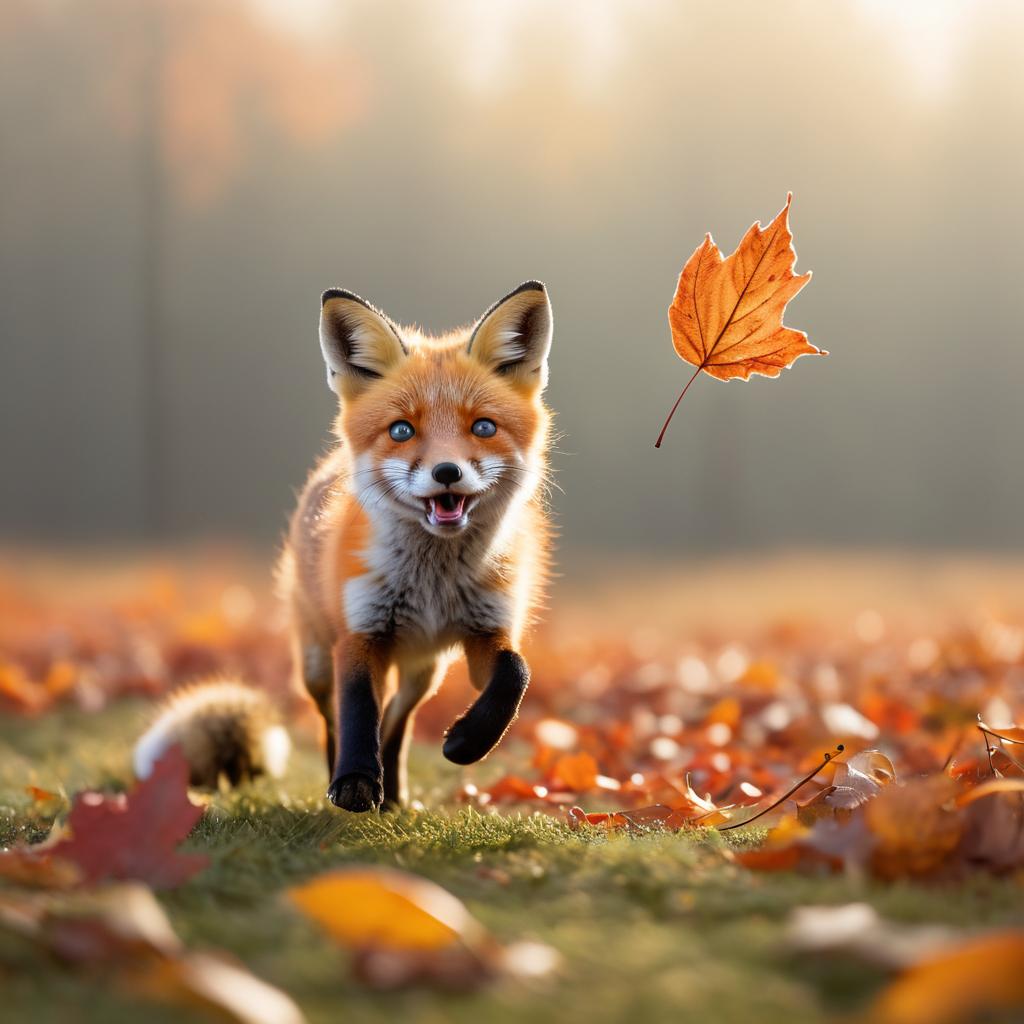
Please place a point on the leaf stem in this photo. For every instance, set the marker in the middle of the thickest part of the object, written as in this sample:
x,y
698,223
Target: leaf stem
x,y
661,436
785,796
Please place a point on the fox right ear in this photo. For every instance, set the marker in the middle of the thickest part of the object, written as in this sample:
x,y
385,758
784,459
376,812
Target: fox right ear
x,y
513,337
359,343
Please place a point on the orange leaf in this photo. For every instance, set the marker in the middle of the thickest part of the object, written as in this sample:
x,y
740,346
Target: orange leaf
x,y
642,819
512,787
1005,764
29,866
404,930
41,796
985,974
1012,733
726,317
915,826
577,772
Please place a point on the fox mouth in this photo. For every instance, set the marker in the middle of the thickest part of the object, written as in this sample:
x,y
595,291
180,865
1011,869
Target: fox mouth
x,y
447,509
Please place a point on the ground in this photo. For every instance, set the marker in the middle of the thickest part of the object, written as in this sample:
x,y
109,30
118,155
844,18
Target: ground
x,y
649,926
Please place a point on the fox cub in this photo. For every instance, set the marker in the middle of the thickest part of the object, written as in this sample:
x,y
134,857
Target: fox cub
x,y
422,532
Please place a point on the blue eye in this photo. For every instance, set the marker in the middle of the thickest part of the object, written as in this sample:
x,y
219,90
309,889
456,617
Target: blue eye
x,y
401,430
484,428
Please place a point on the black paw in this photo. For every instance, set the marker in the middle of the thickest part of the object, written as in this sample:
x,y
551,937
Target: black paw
x,y
355,792
479,730
472,737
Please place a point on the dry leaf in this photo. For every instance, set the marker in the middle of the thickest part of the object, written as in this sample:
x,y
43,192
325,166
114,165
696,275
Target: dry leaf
x,y
1005,764
122,928
854,782
32,866
136,836
915,826
404,930
981,976
378,907
993,835
726,317
577,772
220,983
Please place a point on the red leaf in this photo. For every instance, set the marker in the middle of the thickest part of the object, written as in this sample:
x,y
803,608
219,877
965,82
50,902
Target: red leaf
x,y
136,836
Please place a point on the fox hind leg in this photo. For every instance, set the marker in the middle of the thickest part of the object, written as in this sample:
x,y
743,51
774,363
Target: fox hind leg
x,y
317,668
415,684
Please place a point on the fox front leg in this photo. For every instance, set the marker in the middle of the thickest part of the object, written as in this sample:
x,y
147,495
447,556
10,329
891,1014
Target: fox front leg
x,y
501,675
357,783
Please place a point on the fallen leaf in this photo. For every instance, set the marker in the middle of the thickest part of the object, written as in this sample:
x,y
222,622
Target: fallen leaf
x,y
915,826
577,772
993,833
123,929
1010,733
32,866
854,782
136,836
981,976
786,849
1006,765
405,930
514,788
41,796
379,907
988,788
726,317
220,983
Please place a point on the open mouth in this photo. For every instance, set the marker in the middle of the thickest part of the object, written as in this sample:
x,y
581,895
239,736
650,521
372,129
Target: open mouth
x,y
446,509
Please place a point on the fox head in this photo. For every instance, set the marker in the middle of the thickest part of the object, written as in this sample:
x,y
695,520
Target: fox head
x,y
444,432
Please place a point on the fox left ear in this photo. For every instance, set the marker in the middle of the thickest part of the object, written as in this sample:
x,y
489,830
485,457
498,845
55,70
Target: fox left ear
x,y
513,337
359,343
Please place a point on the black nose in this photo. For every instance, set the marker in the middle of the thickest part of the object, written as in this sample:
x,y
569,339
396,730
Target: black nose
x,y
447,473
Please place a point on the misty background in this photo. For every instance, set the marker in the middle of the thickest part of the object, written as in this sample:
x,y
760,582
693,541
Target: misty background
x,y
180,180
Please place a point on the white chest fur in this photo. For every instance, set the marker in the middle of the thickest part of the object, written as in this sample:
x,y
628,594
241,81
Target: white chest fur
x,y
425,589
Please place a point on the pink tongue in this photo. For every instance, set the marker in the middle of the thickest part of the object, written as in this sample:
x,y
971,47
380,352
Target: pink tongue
x,y
443,515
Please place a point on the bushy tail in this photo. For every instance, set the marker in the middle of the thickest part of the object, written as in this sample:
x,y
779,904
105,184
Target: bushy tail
x,y
225,730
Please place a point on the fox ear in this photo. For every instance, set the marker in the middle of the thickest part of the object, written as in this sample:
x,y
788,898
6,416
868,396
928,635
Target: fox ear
x,y
513,337
359,343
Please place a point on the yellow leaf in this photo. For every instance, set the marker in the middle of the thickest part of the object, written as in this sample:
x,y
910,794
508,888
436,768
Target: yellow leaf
x,y
383,908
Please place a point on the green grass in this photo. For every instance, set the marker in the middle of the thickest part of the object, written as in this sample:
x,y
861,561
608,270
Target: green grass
x,y
651,927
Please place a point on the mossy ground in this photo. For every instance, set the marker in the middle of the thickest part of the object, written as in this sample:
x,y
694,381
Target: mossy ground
x,y
651,927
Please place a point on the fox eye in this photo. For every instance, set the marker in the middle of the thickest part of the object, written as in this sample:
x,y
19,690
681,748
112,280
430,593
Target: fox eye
x,y
401,430
484,428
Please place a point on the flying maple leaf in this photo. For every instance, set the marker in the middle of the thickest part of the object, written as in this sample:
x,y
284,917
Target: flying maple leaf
x,y
726,317
135,836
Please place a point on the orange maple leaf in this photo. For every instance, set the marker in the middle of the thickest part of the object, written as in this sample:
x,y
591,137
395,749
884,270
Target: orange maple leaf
x,y
726,317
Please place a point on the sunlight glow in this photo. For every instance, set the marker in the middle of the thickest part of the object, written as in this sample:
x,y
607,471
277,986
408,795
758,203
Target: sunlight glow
x,y
926,33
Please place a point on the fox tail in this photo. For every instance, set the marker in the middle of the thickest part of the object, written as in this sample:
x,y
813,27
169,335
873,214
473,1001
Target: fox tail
x,y
224,728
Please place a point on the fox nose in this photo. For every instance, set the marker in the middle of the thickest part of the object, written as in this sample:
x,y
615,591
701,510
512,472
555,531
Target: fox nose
x,y
447,473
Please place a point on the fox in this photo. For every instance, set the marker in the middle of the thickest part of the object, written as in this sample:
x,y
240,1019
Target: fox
x,y
422,534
